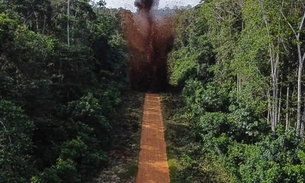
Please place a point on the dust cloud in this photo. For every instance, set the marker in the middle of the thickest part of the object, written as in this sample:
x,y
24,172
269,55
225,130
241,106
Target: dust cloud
x,y
149,33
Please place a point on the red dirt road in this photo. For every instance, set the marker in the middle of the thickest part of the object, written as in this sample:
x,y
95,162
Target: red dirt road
x,y
153,167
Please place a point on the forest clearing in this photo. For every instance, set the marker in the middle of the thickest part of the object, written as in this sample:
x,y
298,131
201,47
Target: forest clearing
x,y
212,93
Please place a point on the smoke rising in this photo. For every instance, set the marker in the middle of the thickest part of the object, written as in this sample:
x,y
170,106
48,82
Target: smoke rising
x,y
146,4
149,33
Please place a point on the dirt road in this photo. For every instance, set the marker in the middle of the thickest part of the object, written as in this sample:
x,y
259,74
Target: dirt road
x,y
153,167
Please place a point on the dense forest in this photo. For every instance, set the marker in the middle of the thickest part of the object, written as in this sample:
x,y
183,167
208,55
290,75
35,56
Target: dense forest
x,y
237,66
63,70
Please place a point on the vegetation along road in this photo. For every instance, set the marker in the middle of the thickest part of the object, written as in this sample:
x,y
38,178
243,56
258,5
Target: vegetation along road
x,y
234,111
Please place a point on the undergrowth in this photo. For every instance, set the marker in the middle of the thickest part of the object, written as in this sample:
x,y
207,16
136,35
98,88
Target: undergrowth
x,y
186,160
126,140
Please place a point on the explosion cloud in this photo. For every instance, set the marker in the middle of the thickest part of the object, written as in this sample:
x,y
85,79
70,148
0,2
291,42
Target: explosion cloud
x,y
149,33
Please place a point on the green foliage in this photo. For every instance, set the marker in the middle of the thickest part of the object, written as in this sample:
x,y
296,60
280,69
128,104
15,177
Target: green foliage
x,y
64,171
88,111
15,143
68,93
236,64
278,158
194,55
190,159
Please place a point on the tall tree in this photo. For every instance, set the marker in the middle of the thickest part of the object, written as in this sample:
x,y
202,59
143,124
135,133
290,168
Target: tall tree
x,y
301,58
